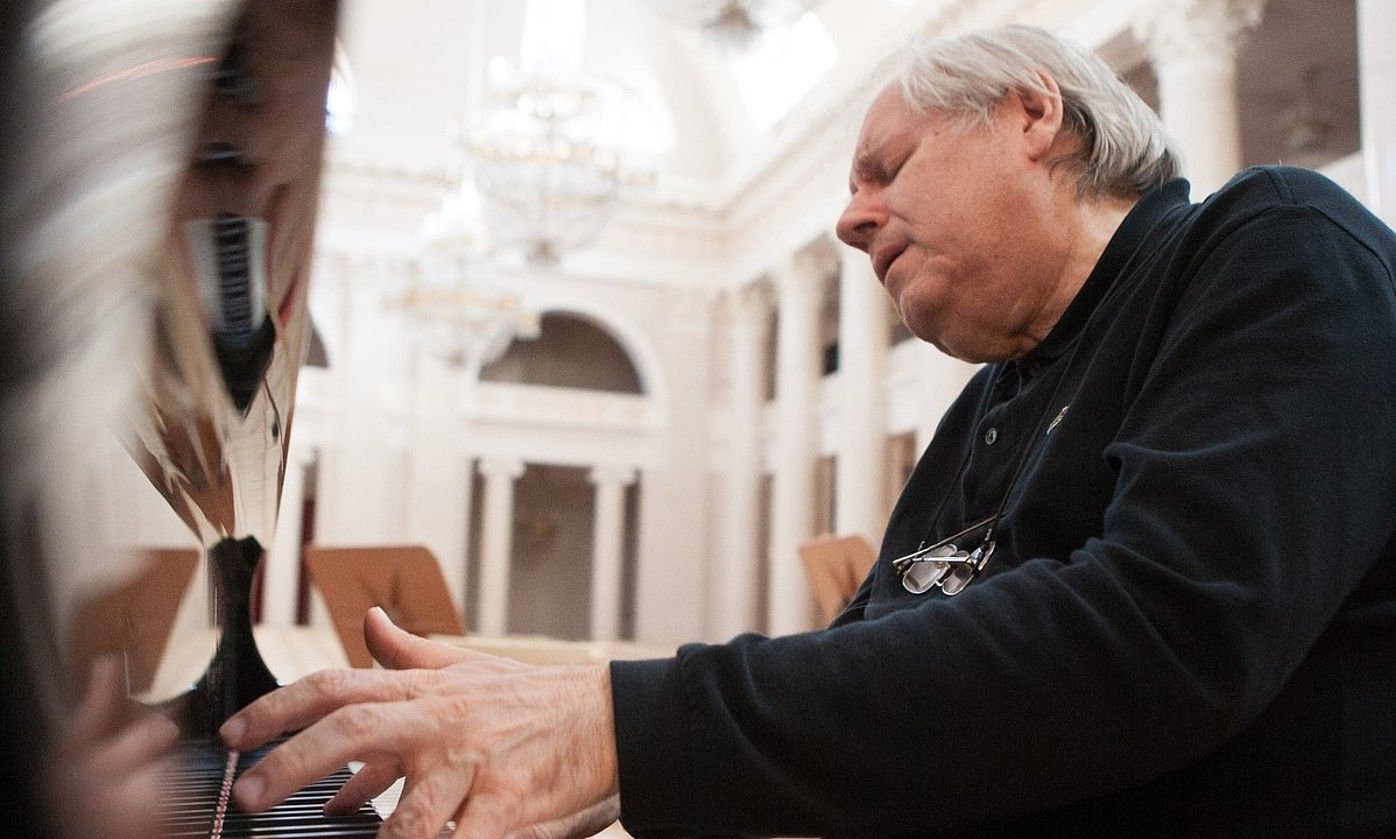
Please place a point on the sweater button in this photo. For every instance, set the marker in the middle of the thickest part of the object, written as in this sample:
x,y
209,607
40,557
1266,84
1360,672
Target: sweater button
x,y
991,436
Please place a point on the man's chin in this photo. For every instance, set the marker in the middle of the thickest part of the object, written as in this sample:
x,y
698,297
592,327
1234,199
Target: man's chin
x,y
964,351
929,334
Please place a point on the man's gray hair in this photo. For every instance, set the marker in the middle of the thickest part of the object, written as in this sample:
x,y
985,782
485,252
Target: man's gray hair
x,y
1123,148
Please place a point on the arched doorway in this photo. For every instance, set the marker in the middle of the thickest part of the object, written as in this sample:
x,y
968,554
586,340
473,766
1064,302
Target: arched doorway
x,y
574,361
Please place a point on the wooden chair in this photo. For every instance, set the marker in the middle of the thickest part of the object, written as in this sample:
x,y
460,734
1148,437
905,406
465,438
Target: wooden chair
x,y
404,579
835,566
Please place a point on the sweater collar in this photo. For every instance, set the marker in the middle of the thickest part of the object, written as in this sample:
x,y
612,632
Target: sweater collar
x,y
1132,232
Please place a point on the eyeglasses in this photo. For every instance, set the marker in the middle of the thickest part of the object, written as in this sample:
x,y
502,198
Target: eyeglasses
x,y
944,564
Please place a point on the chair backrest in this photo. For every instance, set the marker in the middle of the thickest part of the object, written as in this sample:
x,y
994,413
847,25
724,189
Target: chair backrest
x,y
835,566
404,579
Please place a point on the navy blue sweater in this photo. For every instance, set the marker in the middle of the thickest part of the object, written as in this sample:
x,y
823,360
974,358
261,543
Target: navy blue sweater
x,y
1188,627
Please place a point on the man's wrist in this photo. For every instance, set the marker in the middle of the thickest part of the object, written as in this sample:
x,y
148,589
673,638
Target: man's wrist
x,y
598,728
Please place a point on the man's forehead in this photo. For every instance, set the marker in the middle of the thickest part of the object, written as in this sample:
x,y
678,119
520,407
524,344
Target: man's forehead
x,y
889,121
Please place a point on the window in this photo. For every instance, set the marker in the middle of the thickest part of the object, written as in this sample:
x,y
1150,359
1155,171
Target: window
x,y
782,68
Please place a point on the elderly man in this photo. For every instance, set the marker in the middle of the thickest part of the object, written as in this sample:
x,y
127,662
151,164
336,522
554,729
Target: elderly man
x,y
1142,582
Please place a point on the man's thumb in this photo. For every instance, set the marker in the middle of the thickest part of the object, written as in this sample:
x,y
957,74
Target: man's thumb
x,y
397,649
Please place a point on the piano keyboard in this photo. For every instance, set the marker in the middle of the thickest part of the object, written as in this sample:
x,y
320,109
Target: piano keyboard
x,y
196,802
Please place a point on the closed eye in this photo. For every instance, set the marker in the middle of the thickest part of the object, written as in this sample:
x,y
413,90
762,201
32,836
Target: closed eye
x,y
895,170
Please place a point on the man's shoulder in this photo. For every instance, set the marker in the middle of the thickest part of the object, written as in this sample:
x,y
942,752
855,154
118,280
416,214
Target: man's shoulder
x,y
1278,207
1262,187
1262,190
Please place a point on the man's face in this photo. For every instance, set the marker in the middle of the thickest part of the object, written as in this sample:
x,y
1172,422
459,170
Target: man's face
x,y
956,223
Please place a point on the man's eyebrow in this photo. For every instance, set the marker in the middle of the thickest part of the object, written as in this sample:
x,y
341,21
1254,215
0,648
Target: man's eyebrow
x,y
865,166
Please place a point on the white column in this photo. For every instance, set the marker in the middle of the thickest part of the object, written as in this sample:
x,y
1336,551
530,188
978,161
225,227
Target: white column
x,y
1193,44
438,500
282,575
607,535
1376,77
862,406
797,411
355,495
942,379
734,569
496,543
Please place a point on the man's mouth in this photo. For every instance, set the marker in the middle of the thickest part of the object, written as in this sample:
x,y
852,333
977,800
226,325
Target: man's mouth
x,y
882,262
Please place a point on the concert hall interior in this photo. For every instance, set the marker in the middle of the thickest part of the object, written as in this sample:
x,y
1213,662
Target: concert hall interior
x,y
584,371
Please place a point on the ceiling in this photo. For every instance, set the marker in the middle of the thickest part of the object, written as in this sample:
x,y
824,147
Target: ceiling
x,y
412,67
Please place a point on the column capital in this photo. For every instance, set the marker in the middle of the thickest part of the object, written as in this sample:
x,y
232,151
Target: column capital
x,y
612,475
501,467
1185,30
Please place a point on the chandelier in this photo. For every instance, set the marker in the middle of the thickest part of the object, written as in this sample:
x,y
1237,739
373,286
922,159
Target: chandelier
x,y
734,26
452,309
550,156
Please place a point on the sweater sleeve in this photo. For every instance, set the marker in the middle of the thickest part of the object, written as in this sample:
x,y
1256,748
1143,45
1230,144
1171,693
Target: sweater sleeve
x,y
1254,491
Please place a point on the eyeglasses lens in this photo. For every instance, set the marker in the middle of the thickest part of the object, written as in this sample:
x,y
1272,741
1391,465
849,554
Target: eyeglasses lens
x,y
922,576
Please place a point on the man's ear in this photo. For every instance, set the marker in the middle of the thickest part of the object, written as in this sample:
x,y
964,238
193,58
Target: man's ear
x,y
1039,114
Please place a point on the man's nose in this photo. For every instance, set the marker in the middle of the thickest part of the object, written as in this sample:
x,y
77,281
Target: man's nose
x,y
858,223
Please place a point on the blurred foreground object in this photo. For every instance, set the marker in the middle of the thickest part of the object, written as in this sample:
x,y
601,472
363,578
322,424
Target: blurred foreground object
x,y
29,704
133,621
92,129
112,759
231,322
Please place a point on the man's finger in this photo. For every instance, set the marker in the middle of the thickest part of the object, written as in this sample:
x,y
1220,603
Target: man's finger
x,y
302,703
426,808
486,817
396,649
371,732
367,783
588,822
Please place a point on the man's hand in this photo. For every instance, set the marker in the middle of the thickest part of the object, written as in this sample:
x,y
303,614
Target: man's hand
x,y
495,745
588,822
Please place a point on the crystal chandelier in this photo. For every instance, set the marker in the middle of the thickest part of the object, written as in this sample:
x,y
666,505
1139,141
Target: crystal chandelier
x,y
734,26
550,156
453,311
465,327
